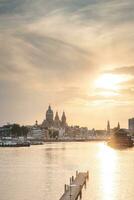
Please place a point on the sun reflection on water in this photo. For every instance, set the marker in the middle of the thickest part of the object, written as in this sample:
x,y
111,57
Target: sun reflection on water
x,y
108,164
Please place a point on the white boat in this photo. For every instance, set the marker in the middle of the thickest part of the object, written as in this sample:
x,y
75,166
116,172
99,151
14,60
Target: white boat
x,y
13,143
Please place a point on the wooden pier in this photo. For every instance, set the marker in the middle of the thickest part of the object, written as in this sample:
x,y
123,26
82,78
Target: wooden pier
x,y
74,190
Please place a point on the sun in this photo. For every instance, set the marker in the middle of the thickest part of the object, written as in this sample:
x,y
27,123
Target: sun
x,y
109,81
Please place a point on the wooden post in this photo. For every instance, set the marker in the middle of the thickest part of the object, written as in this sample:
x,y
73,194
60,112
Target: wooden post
x,y
81,194
87,175
85,185
65,188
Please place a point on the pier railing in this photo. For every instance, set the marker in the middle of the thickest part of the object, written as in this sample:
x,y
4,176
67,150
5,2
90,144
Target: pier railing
x,y
74,189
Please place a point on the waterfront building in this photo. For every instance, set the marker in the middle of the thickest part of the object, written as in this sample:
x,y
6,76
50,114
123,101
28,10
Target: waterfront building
x,y
36,133
48,122
6,131
15,131
131,124
61,133
54,122
100,134
78,133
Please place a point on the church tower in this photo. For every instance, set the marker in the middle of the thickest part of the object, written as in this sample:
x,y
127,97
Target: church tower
x,y
49,115
63,120
118,126
108,127
57,120
57,117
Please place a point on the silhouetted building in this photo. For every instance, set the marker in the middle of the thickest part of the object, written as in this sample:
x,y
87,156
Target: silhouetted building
x,y
131,124
49,115
63,120
6,130
118,126
50,121
57,121
108,127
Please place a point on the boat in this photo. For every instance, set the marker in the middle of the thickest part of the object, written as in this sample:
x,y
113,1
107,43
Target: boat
x,y
120,139
9,143
36,142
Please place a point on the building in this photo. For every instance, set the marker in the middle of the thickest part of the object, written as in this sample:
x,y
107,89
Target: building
x,y
57,122
6,131
118,126
48,122
13,131
36,133
63,120
54,122
131,124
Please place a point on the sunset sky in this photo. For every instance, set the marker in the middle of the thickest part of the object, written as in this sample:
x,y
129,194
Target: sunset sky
x,y
77,55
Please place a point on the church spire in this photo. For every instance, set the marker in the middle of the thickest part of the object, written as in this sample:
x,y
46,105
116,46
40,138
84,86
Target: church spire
x,y
108,126
63,119
57,117
49,107
118,126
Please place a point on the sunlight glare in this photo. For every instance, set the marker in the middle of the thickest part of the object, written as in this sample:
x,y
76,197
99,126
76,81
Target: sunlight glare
x,y
108,162
109,81
108,93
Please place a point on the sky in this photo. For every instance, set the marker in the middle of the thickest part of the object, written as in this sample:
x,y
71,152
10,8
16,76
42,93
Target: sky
x,y
75,55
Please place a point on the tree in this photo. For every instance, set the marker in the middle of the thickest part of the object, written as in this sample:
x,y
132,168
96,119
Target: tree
x,y
24,131
55,134
50,133
16,130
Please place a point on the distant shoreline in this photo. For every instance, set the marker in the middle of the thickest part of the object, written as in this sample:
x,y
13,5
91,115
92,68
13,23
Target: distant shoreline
x,y
73,140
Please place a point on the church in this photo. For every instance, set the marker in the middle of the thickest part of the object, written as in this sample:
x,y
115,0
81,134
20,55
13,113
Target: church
x,y
52,121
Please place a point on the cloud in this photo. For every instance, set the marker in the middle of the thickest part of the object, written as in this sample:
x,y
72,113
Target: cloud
x,y
123,70
51,51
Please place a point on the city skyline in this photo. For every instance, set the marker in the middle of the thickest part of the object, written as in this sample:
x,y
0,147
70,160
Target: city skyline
x,y
56,117
75,55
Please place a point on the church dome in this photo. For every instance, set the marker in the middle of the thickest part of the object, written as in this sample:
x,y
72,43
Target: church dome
x,y
49,114
49,111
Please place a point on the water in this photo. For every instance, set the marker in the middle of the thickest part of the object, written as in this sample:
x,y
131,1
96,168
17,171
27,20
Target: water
x,y
40,172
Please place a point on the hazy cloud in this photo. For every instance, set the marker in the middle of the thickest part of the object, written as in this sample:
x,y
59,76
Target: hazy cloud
x,y
124,70
51,51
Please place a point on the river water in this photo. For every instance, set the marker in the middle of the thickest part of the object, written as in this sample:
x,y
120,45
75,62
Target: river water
x,y
40,172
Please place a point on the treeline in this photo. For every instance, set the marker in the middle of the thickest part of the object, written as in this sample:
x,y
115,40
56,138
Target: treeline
x,y
18,130
15,130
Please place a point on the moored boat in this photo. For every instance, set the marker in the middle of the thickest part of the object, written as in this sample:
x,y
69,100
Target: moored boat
x,y
6,143
120,139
